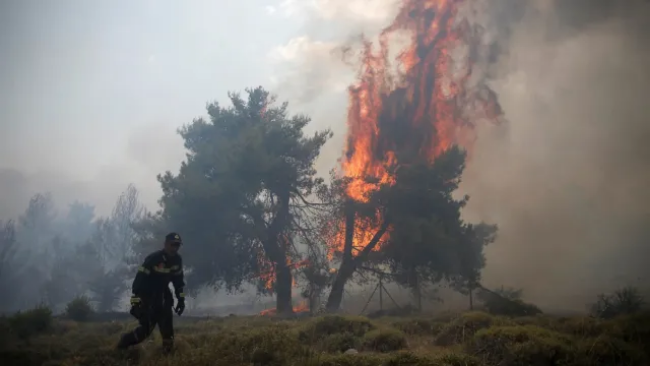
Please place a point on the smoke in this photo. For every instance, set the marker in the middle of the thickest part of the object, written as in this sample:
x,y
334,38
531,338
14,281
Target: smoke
x,y
564,178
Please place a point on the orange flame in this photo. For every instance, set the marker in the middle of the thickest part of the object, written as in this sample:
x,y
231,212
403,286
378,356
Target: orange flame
x,y
300,308
267,276
419,111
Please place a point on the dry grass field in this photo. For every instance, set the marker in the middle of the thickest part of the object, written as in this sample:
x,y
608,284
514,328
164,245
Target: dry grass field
x,y
474,338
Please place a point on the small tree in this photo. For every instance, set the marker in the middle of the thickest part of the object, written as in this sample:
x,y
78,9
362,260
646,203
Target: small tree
x,y
107,288
627,300
79,309
8,248
248,176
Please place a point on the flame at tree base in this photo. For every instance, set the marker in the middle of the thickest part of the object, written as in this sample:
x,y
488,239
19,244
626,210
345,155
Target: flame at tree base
x,y
302,307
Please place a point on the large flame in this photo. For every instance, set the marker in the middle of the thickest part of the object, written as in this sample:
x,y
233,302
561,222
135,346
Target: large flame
x,y
423,108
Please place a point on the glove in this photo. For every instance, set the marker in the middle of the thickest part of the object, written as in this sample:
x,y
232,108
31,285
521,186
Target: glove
x,y
136,307
180,306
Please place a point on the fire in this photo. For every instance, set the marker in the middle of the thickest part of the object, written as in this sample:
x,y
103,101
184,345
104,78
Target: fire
x,y
268,274
422,109
300,308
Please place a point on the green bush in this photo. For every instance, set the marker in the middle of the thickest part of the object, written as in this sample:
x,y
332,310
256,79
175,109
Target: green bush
x,y
607,350
31,322
633,328
321,327
340,342
507,302
521,345
465,326
384,340
418,326
268,346
627,300
350,360
79,309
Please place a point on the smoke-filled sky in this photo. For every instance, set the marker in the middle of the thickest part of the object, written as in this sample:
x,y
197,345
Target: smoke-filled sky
x,y
92,93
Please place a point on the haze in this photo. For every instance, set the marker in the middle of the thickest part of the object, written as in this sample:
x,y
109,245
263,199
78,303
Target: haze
x,y
91,96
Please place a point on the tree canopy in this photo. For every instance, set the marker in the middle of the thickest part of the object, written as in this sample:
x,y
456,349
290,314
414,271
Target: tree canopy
x,y
240,194
417,229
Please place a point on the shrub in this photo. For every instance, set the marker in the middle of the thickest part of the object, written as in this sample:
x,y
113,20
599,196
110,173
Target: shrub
x,y
31,322
385,340
465,326
633,328
582,326
418,326
79,309
333,324
350,360
507,302
340,342
627,300
266,346
458,359
521,345
607,350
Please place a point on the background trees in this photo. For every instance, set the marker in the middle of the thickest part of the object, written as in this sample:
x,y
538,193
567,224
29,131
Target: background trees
x,y
251,209
47,257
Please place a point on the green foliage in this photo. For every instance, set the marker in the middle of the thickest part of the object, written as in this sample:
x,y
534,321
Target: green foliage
x,y
506,302
520,345
8,265
465,326
627,300
79,309
242,190
340,342
245,341
418,326
334,324
31,322
384,340
429,241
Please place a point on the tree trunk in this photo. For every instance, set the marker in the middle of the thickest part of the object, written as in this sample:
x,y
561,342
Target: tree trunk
x,y
283,282
349,264
417,292
336,295
471,297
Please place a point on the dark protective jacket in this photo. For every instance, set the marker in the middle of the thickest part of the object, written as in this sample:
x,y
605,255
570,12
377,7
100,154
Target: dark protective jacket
x,y
153,277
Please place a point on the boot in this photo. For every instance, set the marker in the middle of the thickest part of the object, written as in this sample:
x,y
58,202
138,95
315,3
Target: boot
x,y
167,346
126,341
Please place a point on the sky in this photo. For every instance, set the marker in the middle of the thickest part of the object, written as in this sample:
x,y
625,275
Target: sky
x,y
91,95
94,91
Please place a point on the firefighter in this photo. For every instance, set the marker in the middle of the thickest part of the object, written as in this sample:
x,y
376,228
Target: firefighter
x,y
152,302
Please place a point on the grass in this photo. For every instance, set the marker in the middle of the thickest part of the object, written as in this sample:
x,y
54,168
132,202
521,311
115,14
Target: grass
x,y
469,339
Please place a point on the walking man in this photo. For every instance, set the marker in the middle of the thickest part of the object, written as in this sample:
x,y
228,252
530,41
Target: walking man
x,y
152,301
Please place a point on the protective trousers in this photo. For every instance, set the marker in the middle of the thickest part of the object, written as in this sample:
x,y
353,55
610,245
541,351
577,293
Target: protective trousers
x,y
157,313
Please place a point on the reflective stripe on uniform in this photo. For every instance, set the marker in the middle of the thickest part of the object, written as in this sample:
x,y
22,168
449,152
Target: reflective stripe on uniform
x,y
162,269
143,270
182,294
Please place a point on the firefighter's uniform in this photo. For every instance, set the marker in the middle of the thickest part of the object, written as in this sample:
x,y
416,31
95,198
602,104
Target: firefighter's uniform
x,y
152,300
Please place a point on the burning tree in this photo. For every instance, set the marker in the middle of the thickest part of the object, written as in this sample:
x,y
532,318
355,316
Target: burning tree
x,y
238,197
402,161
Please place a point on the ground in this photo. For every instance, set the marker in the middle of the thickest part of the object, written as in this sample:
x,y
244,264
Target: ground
x,y
472,338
